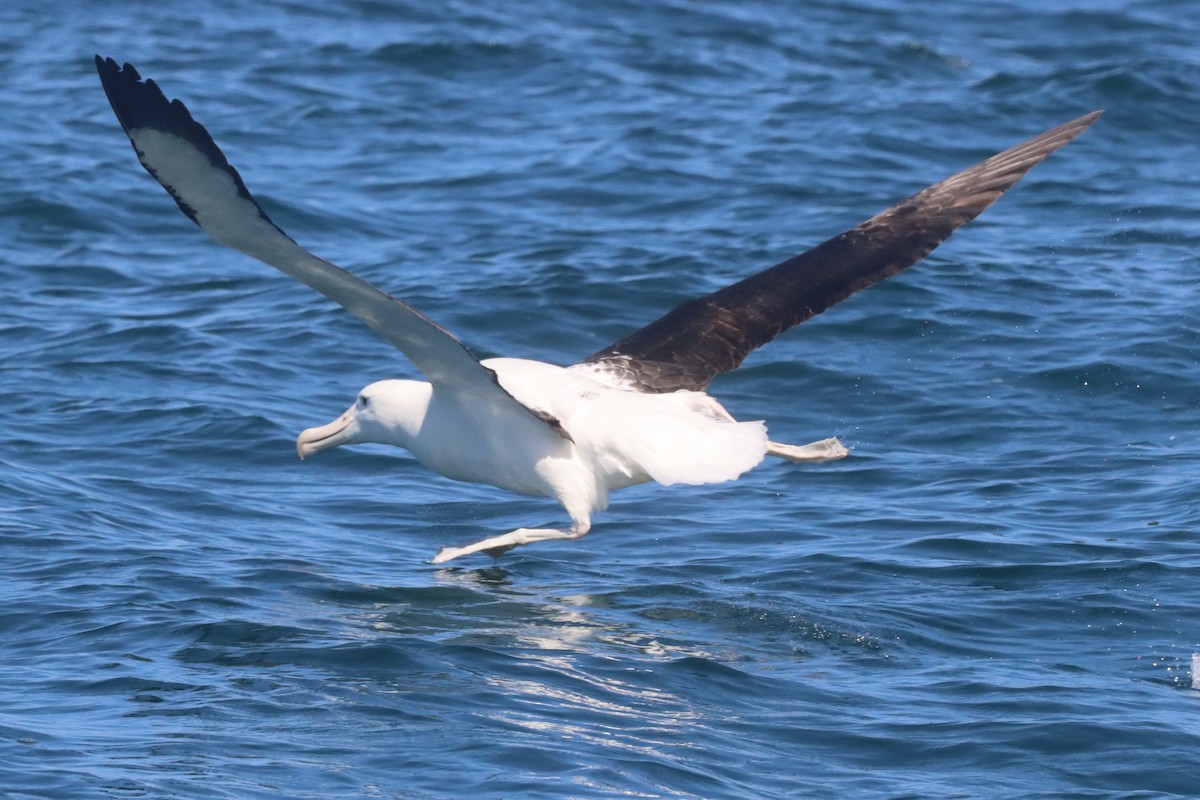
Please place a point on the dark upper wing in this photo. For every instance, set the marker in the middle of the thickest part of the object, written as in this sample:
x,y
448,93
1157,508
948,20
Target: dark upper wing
x,y
703,337
181,155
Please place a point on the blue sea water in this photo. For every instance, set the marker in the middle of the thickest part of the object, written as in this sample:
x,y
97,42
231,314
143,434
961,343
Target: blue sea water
x,y
997,594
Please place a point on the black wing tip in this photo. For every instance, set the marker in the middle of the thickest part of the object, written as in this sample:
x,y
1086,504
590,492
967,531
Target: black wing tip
x,y
109,66
140,104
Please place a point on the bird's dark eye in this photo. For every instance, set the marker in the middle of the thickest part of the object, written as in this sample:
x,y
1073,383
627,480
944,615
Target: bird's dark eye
x,y
363,401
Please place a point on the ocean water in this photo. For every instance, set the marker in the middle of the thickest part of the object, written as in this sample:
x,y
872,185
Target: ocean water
x,y
997,594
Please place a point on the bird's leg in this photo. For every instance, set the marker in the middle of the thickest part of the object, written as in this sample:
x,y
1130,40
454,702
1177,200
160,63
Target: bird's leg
x,y
496,546
814,453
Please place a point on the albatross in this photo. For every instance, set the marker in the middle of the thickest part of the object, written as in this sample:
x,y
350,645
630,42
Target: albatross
x,y
634,411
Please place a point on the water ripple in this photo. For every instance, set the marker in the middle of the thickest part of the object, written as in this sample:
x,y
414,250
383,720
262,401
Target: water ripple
x,y
994,596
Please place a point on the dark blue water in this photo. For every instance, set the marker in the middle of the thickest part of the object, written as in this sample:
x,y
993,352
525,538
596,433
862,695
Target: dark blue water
x,y
997,594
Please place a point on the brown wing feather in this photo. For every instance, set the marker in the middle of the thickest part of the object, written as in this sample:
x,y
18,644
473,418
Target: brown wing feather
x,y
712,334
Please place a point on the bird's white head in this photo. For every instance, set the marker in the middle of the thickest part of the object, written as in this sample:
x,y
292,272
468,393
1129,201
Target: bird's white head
x,y
386,412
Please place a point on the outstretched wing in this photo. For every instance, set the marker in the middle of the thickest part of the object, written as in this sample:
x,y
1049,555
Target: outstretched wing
x,y
712,334
182,156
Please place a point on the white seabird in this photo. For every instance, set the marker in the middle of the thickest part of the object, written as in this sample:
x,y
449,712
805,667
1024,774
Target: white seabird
x,y
632,412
